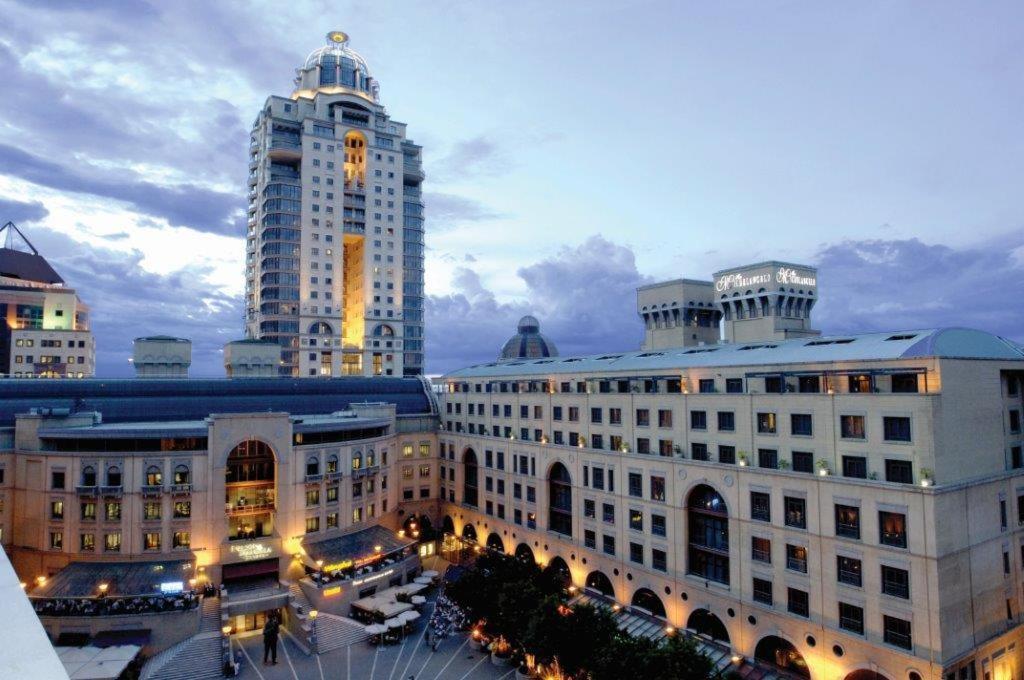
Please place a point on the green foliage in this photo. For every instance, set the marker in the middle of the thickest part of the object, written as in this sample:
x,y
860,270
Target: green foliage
x,y
526,605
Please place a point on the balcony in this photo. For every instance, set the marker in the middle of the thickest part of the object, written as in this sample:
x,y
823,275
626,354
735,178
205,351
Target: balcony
x,y
181,489
152,489
87,490
248,508
284,148
414,171
112,491
333,476
314,479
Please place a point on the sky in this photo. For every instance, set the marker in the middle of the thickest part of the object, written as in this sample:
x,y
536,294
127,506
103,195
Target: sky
x,y
573,151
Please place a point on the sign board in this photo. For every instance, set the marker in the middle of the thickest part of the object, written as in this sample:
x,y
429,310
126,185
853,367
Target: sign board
x,y
252,551
171,587
767,276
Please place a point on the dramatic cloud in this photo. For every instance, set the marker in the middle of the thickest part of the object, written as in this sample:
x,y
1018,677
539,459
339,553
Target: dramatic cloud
x,y
20,212
904,284
447,210
469,158
185,205
126,302
584,297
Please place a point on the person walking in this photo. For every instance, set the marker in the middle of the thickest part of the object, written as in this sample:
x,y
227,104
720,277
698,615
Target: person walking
x,y
270,632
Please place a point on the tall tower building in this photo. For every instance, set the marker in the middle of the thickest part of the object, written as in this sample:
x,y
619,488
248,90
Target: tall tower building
x,y
334,248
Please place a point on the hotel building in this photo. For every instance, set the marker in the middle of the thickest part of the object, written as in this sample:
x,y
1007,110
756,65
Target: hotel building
x,y
334,247
840,506
44,326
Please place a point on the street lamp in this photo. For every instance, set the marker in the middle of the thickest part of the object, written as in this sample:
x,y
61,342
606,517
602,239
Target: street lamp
x,y
226,629
103,589
312,634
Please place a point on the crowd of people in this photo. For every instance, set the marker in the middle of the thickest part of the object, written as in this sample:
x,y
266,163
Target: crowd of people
x,y
113,606
446,619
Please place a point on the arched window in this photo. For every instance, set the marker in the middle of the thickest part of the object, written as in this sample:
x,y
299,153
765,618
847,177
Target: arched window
x,y
646,599
866,674
597,580
113,476
494,542
782,654
370,458
250,461
706,623
469,532
320,328
560,500
382,330
708,549
88,476
312,466
448,525
469,482
332,464
560,569
357,460
154,477
182,475
525,553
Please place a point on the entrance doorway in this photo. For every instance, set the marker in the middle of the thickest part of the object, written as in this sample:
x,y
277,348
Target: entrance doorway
x,y
244,623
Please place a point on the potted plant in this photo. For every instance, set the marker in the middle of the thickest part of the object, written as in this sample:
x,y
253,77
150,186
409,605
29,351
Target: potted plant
x,y
742,458
926,477
823,468
501,652
783,464
677,449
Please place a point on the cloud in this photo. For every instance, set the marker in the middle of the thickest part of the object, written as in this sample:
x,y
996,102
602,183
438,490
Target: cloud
x,y
470,158
20,212
187,205
125,301
584,297
447,210
886,285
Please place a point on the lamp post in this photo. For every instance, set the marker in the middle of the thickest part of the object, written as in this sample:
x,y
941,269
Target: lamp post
x,y
103,589
320,567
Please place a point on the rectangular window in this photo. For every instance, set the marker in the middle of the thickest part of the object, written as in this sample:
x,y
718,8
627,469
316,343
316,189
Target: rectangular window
x,y
658,525
734,385
56,540
659,560
851,618
698,420
768,458
851,427
727,454
766,423
706,385
774,384
801,424
615,416
636,483
664,418
608,544
896,582
608,513
899,471
803,461
848,521
897,632
699,451
796,512
112,542
595,415
726,421
855,466
809,383
636,553
636,519
589,508
904,382
896,429
312,525
798,602
87,542
657,488
57,479
892,528
763,591
848,571
589,538
56,509
859,383
643,417
760,506
796,558
761,550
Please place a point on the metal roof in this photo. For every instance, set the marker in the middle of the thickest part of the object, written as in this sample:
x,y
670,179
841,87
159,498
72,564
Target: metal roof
x,y
947,343
356,546
135,400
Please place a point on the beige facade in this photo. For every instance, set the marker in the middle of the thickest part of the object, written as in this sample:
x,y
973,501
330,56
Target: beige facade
x,y
866,491
251,359
161,356
334,248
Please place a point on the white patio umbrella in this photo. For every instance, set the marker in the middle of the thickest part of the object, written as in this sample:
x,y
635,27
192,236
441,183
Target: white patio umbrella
x,y
408,616
376,629
422,580
429,573
418,599
394,623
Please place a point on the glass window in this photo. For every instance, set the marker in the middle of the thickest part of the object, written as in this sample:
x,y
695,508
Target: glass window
x,y
803,461
897,632
763,591
848,571
848,521
851,618
896,582
726,421
896,429
798,602
892,529
796,558
636,519
761,549
852,427
796,512
727,454
698,420
899,471
768,458
657,488
801,424
855,466
760,506
766,423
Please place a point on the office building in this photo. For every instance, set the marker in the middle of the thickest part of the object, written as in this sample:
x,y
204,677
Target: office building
x,y
44,326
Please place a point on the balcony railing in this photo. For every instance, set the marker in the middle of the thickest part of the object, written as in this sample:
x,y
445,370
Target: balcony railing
x,y
181,489
314,479
796,564
111,490
249,508
152,489
852,578
87,490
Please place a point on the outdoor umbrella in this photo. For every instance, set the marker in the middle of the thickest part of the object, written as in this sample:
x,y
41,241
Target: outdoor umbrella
x,y
394,623
376,629
408,616
430,573
418,599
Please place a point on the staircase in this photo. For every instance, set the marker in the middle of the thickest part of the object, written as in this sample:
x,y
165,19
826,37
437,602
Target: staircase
x,y
332,631
194,658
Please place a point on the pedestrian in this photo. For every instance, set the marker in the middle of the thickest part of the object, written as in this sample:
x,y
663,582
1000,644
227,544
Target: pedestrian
x,y
270,633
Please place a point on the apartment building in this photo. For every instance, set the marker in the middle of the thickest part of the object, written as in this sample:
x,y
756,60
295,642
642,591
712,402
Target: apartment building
x,y
837,506
334,247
